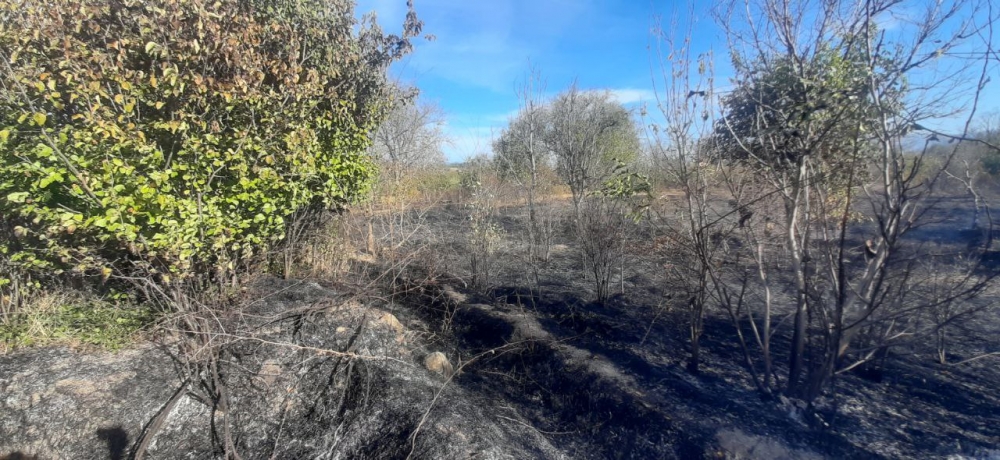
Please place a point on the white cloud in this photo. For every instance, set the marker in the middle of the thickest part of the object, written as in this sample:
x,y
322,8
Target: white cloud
x,y
633,95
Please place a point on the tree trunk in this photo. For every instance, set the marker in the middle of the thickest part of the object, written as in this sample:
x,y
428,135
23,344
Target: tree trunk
x,y
694,361
796,360
798,252
942,356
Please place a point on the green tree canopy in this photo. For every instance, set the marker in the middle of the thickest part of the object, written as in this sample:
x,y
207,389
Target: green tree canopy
x,y
589,134
785,109
511,148
177,135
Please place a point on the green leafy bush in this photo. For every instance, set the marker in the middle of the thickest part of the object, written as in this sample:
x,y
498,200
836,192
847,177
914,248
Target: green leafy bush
x,y
176,136
991,163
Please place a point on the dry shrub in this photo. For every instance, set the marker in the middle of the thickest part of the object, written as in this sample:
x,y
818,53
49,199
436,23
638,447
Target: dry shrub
x,y
602,232
485,236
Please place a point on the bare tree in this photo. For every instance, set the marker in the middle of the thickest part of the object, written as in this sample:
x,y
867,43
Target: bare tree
x,y
694,228
520,154
822,97
411,136
588,133
975,161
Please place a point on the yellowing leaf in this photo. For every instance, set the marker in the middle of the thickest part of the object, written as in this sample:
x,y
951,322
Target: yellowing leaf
x,y
150,46
39,119
4,135
152,81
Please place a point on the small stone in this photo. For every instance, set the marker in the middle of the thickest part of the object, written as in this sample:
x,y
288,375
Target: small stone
x,y
390,320
438,362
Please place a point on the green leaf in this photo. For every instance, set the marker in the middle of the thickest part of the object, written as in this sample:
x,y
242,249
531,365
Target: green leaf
x,y
53,176
17,197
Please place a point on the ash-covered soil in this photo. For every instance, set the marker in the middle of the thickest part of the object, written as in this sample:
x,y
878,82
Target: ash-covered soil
x,y
323,370
313,374
608,380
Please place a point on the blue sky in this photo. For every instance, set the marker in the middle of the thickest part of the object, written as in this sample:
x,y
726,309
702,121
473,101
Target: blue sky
x,y
483,48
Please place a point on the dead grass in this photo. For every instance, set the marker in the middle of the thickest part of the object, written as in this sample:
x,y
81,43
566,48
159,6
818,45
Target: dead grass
x,y
74,319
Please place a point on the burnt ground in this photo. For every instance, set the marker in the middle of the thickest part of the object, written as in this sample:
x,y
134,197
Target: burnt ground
x,y
311,372
608,380
541,373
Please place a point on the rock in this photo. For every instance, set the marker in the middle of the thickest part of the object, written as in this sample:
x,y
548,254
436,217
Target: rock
x,y
269,371
81,388
390,320
438,362
559,249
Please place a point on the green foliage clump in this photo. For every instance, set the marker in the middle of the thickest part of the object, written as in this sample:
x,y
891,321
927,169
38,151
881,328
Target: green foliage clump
x,y
518,142
437,181
589,133
628,186
176,136
990,153
785,110
991,163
